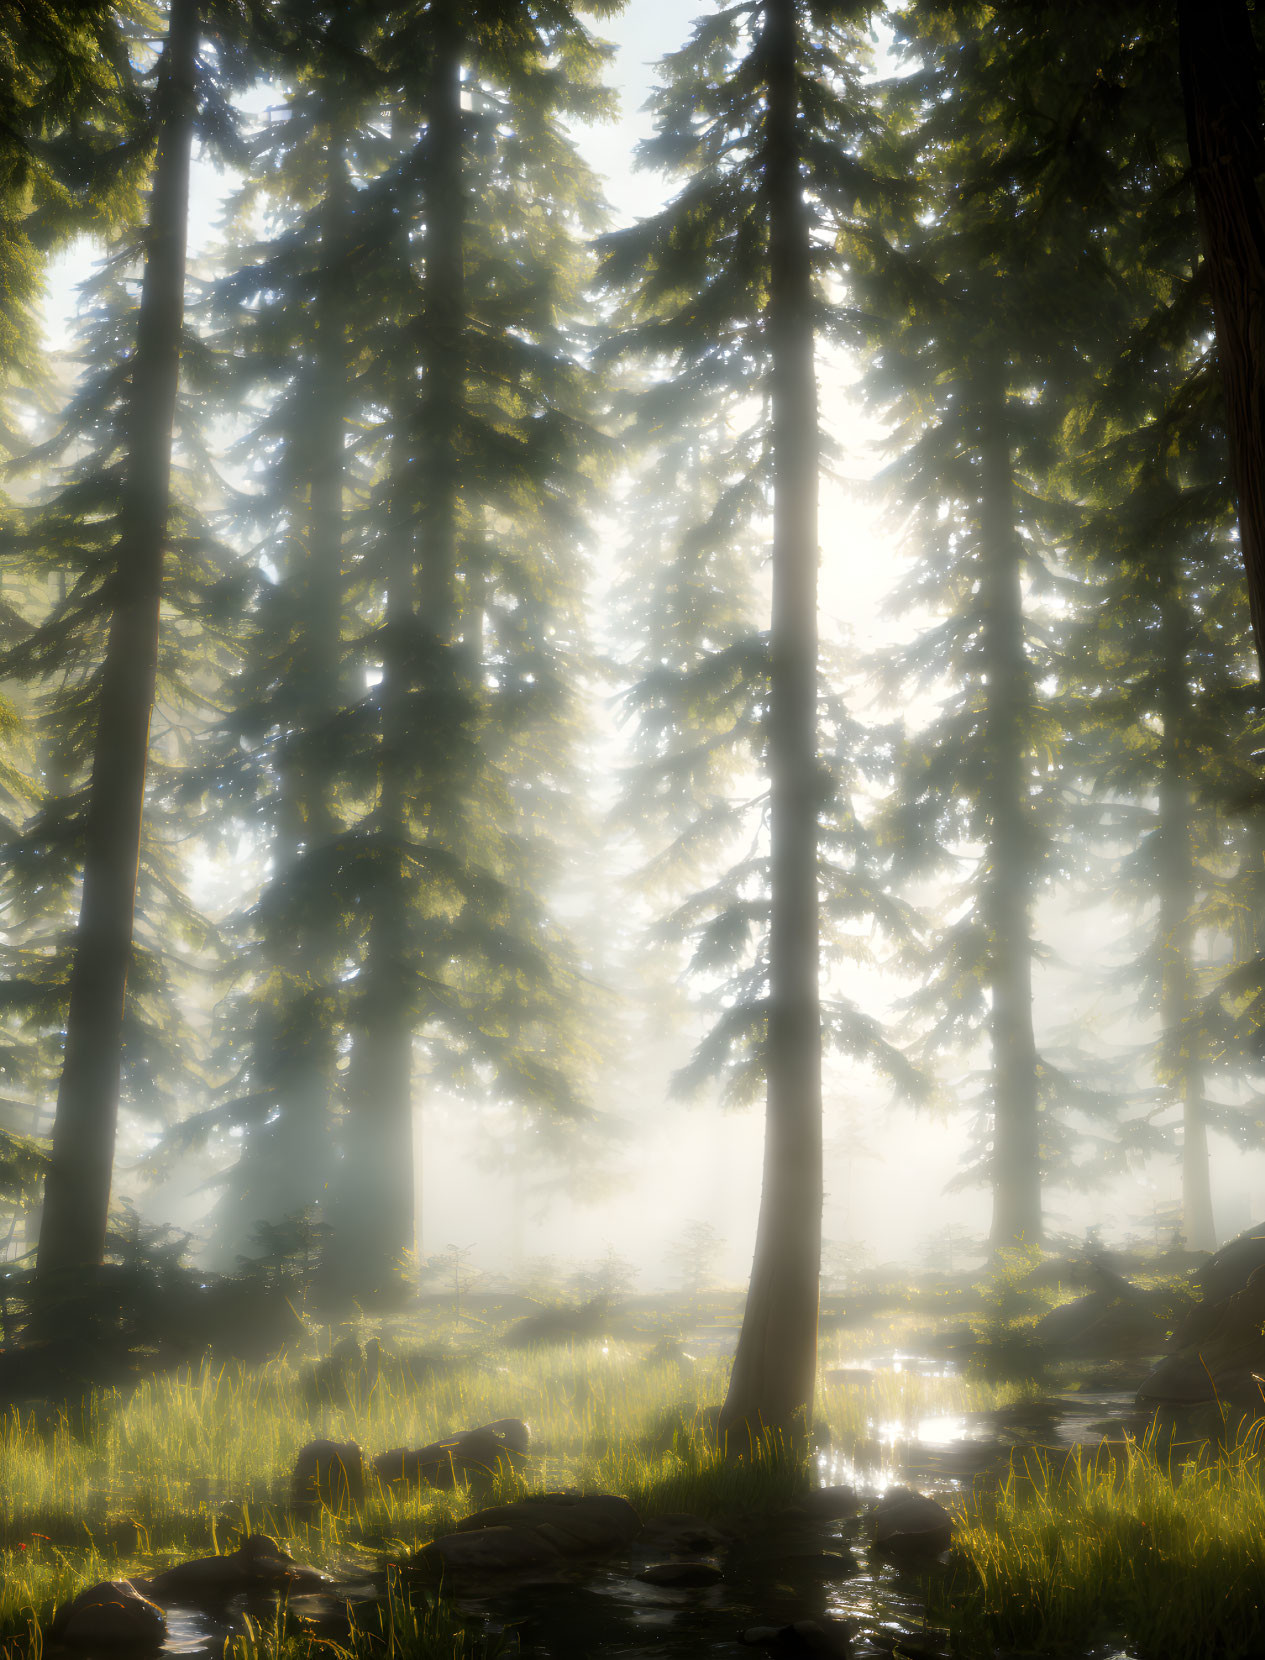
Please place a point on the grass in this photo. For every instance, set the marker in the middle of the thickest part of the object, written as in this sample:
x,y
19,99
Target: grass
x,y
187,1462
405,1625
1160,1545
1164,1550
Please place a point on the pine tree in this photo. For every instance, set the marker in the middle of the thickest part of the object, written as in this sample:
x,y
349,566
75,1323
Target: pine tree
x,y
728,302
1225,126
287,316
976,325
68,162
410,915
68,157
1083,161
471,543
1162,681
113,521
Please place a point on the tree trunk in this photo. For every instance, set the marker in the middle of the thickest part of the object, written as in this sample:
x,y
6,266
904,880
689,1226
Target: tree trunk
x,y
776,1360
377,1213
443,351
1181,1065
286,1162
1007,895
1221,89
77,1189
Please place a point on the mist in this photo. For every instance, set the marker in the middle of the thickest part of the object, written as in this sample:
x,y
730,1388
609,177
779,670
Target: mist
x,y
632,874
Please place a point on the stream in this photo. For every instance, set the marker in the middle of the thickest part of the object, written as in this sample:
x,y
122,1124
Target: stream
x,y
792,1567
786,1568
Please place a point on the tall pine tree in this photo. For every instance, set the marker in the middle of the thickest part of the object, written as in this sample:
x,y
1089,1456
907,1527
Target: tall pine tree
x,y
729,296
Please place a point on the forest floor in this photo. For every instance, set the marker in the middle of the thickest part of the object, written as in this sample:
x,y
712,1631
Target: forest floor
x,y
1075,1522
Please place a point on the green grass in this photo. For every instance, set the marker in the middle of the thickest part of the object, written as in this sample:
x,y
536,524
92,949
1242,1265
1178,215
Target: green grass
x,y
1161,1547
1165,1552
188,1462
406,1625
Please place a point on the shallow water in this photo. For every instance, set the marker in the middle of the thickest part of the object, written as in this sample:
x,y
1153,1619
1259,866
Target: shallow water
x,y
774,1574
784,1569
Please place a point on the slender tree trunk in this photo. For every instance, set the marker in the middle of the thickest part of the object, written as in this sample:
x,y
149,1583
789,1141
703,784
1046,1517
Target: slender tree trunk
x,y
1180,1063
1220,75
286,1162
381,1147
376,1204
776,1360
1007,895
77,1189
443,361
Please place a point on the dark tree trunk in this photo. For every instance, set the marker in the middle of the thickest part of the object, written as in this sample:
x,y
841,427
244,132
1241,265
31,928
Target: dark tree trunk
x,y
374,1217
378,1215
1008,879
77,1189
1220,76
1180,1059
286,1162
776,1360
443,351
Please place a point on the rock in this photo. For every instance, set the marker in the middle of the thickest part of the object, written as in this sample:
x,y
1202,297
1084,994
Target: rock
x,y
683,1535
560,1325
113,1613
534,1533
257,1564
905,1522
681,1575
1229,1269
1067,1325
488,1550
475,1452
928,1644
1225,1343
331,1473
1102,1324
514,1434
830,1504
246,1321
573,1523
1178,1380
805,1640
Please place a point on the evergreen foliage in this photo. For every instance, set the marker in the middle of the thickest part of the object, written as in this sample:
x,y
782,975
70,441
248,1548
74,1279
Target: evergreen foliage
x,y
727,297
692,282
297,633
401,735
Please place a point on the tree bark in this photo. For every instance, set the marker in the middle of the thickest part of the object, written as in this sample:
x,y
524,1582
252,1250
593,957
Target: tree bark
x,y
1220,75
77,1188
378,1212
286,1162
443,354
374,1216
1180,1060
776,1359
1008,877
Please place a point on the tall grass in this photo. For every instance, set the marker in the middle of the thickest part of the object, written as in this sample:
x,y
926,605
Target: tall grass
x,y
405,1625
1159,1544
188,1462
